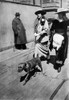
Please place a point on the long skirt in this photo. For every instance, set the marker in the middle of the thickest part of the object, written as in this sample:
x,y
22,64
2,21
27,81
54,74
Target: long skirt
x,y
62,52
41,50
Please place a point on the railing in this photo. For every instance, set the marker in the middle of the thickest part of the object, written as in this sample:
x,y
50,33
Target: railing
x,y
30,2
50,3
35,2
23,1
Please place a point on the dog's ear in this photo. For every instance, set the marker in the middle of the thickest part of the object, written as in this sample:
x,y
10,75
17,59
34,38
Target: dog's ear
x,y
24,65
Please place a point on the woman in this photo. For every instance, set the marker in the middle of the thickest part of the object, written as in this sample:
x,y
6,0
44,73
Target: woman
x,y
42,38
37,21
60,26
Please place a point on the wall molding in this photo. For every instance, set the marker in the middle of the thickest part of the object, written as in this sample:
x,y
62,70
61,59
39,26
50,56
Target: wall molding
x,y
19,3
6,48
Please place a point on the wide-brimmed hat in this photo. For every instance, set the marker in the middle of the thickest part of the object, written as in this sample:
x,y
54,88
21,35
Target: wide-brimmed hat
x,y
42,12
17,14
38,12
62,10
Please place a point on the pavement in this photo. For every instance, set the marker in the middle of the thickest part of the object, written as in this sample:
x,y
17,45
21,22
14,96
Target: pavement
x,y
50,86
12,56
11,53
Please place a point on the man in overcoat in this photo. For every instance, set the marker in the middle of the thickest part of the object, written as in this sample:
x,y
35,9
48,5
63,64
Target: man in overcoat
x,y
19,32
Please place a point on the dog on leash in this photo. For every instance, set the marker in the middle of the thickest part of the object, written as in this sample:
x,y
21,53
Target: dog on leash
x,y
29,66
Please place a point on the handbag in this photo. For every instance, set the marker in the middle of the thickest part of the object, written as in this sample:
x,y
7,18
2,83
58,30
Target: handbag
x,y
57,40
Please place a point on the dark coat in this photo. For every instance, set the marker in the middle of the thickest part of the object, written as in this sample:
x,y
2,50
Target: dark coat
x,y
36,22
61,27
19,31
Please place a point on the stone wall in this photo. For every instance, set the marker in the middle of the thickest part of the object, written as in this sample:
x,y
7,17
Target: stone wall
x,y
7,13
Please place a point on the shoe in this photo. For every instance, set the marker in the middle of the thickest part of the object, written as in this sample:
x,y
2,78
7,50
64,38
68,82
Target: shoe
x,y
60,62
48,59
59,69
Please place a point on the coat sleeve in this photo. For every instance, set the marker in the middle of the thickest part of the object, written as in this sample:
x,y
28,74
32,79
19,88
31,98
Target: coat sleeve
x,y
67,22
14,26
35,25
55,24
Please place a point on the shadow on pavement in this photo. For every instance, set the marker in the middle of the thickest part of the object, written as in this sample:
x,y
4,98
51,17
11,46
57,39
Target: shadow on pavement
x,y
56,66
52,59
31,74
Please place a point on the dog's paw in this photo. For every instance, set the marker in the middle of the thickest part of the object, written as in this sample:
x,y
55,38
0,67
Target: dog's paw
x,y
24,83
35,75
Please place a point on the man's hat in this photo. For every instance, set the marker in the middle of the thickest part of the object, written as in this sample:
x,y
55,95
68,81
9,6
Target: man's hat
x,y
17,14
62,10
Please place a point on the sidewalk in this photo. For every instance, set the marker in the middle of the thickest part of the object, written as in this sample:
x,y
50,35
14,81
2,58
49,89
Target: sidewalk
x,y
11,53
50,86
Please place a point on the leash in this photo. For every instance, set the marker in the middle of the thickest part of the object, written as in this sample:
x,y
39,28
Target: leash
x,y
27,55
29,51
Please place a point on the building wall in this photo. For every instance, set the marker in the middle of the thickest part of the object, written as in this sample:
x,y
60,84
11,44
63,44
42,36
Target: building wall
x,y
7,13
33,2
37,2
64,3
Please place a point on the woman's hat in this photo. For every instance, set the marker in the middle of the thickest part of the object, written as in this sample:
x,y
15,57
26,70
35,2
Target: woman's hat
x,y
42,12
38,12
62,10
17,14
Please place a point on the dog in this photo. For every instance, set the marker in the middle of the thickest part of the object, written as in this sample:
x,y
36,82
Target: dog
x,y
29,66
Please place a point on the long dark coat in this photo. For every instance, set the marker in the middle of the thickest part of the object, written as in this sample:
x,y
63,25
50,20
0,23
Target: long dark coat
x,y
61,27
19,31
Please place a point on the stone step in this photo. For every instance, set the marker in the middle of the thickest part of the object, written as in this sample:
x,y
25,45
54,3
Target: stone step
x,y
8,54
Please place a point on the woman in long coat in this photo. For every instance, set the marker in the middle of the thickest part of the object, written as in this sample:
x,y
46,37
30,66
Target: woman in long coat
x,y
60,27
19,32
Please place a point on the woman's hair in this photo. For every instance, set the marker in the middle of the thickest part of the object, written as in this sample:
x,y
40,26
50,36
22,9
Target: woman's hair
x,y
64,16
